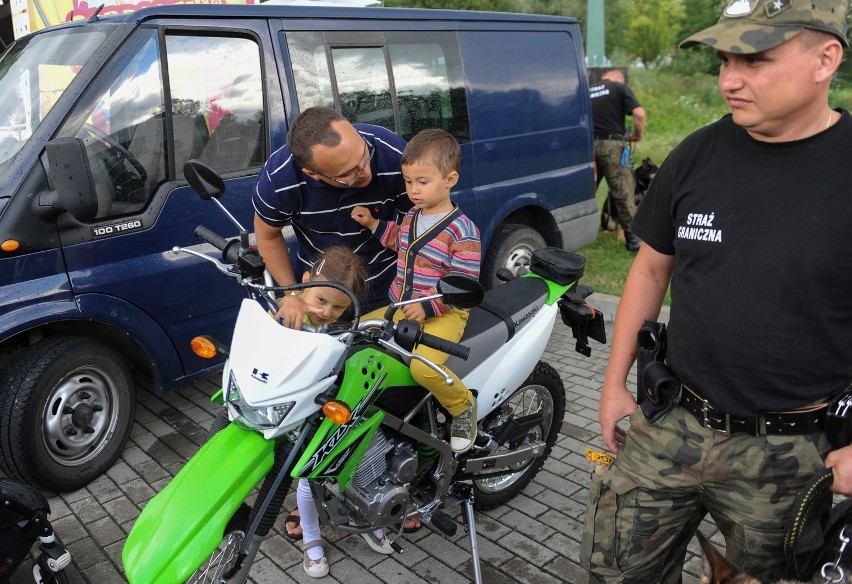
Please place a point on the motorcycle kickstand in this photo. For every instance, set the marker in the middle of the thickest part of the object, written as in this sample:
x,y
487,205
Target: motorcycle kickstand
x,y
467,504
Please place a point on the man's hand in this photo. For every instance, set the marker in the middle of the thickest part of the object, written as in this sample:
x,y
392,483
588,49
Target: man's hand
x,y
414,312
840,462
363,216
291,311
616,404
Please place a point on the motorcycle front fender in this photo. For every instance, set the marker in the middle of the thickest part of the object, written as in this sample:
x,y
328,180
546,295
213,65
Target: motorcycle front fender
x,y
180,527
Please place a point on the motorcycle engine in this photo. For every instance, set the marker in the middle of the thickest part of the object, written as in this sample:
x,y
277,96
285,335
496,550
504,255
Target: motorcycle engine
x,y
379,488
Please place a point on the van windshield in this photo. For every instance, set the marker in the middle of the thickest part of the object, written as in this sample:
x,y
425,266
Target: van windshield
x,y
34,72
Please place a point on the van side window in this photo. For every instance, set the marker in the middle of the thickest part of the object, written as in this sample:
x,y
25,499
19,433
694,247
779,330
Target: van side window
x,y
123,132
217,102
412,82
363,86
429,83
216,108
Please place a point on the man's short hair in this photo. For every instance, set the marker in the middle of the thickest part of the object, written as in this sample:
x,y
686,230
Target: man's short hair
x,y
312,128
437,146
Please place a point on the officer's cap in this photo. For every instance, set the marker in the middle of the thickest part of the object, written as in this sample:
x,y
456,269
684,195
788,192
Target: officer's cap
x,y
752,26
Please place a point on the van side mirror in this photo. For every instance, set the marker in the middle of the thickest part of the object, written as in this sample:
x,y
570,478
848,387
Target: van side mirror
x,y
71,178
460,291
206,181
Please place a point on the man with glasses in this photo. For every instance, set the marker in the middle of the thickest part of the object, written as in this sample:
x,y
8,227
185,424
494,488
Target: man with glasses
x,y
327,168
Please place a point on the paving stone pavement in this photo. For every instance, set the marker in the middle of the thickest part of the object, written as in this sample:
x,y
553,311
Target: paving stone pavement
x,y
535,539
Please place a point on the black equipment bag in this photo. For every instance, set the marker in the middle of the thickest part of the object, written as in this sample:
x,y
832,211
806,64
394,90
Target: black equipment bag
x,y
558,265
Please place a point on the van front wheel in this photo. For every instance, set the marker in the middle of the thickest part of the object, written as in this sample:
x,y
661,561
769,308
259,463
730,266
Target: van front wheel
x,y
66,409
511,247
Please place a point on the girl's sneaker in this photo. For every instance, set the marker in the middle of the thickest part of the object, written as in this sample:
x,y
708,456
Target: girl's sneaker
x,y
315,568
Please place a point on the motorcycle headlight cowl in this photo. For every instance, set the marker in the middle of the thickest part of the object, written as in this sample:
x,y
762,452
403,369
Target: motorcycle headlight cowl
x,y
254,417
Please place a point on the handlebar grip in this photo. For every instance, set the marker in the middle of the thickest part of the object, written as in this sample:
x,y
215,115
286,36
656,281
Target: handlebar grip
x,y
230,249
444,346
211,237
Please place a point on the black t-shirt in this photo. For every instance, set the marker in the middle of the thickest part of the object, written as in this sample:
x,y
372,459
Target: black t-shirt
x,y
611,101
761,314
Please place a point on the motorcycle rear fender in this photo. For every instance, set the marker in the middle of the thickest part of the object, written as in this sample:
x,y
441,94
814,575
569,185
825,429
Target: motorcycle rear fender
x,y
180,527
504,371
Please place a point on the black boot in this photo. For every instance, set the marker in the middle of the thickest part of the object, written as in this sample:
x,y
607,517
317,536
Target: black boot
x,y
632,241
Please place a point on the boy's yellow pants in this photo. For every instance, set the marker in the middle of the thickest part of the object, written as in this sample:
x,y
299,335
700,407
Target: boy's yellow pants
x,y
455,398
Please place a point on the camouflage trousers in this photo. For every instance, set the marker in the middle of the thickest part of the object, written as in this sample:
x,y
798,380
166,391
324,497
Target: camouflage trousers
x,y
645,507
619,179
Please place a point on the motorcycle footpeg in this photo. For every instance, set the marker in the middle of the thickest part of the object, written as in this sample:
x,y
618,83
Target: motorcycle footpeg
x,y
444,523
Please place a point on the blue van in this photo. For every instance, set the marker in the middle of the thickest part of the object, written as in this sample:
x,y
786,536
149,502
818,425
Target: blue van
x,y
92,301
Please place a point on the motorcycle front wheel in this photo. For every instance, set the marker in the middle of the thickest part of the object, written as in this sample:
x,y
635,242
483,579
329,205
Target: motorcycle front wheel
x,y
225,555
541,393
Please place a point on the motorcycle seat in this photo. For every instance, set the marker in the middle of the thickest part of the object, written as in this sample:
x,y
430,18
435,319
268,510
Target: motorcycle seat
x,y
504,311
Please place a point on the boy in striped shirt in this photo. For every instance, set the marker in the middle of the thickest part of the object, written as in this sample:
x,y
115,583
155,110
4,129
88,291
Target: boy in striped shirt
x,y
434,239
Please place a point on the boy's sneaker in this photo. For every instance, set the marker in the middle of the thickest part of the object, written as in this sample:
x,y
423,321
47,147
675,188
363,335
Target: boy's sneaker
x,y
463,430
382,547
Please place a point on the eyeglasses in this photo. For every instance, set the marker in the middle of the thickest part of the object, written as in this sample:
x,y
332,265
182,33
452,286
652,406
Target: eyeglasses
x,y
369,152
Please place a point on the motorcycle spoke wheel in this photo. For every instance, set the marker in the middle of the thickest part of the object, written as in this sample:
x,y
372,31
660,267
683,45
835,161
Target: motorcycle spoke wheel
x,y
542,393
224,556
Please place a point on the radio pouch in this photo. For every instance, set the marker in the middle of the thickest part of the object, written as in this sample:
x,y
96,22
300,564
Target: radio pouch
x,y
659,390
650,347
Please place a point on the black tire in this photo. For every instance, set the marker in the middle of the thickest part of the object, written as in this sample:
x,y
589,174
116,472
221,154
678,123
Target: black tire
x,y
543,389
511,247
66,408
57,578
223,558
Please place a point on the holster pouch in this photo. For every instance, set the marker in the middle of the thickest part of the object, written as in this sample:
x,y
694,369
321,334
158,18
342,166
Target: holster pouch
x,y
650,347
659,390
838,420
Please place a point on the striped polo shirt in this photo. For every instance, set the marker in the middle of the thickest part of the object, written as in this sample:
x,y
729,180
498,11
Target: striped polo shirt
x,y
320,214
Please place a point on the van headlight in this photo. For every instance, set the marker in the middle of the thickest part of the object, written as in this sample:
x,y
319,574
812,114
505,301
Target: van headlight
x,y
254,417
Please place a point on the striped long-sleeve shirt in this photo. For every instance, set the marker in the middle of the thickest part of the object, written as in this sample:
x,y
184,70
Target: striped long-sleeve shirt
x,y
451,245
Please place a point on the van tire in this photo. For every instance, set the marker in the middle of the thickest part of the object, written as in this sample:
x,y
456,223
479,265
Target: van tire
x,y
66,408
511,247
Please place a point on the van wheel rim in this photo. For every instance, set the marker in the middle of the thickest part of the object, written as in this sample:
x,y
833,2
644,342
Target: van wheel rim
x,y
80,416
519,257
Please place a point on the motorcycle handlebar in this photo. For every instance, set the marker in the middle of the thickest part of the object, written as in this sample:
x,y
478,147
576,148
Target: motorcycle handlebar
x,y
444,346
230,249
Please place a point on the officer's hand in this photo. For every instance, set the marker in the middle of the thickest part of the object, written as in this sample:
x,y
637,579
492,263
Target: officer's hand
x,y
840,462
616,404
291,311
363,216
414,312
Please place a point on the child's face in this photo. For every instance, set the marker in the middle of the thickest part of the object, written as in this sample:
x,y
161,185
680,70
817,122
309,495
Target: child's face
x,y
427,188
326,304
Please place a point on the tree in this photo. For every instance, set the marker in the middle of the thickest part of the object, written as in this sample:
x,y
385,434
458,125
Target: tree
x,y
654,29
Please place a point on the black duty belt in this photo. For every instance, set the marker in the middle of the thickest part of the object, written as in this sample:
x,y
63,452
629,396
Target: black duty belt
x,y
618,137
801,421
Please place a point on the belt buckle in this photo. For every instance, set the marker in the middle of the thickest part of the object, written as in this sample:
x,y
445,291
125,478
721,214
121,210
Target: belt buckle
x,y
705,408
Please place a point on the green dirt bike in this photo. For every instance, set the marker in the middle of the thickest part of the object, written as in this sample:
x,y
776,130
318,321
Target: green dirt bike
x,y
339,408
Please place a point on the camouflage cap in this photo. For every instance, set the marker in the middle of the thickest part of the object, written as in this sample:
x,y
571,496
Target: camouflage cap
x,y
752,26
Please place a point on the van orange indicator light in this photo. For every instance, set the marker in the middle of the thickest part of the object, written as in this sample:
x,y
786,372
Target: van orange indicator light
x,y
10,245
337,412
203,347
